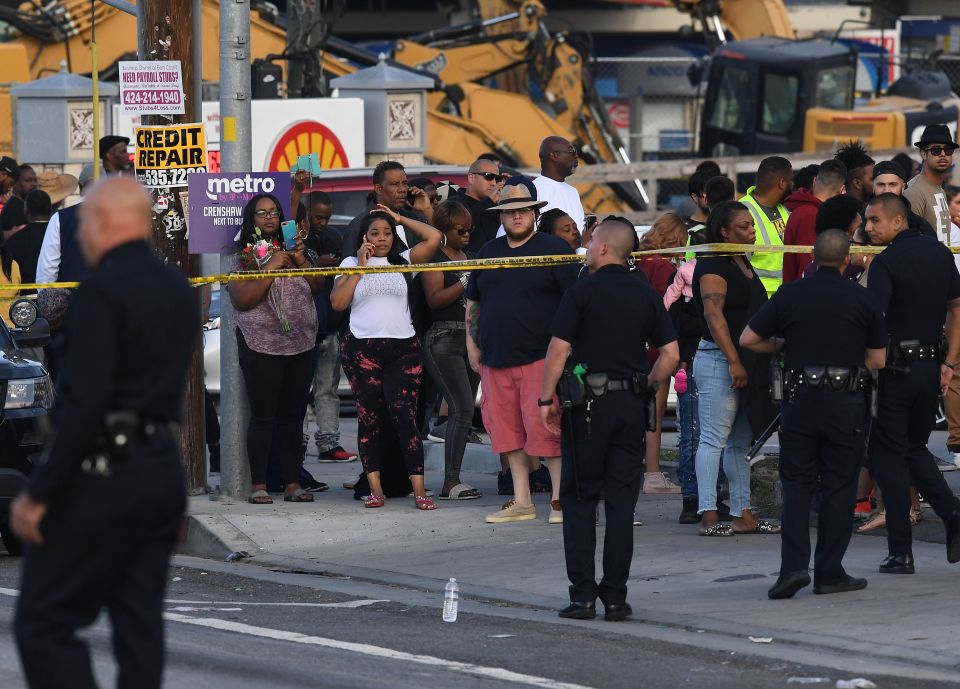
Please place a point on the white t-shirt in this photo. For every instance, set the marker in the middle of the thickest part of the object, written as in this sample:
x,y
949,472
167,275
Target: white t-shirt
x,y
560,195
380,307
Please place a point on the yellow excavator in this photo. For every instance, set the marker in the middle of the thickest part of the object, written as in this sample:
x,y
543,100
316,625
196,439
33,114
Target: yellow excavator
x,y
486,73
768,92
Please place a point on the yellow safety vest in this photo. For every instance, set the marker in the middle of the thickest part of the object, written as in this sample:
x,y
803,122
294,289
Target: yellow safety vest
x,y
769,233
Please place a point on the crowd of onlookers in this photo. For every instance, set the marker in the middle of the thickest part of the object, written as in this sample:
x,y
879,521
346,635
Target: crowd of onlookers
x,y
415,347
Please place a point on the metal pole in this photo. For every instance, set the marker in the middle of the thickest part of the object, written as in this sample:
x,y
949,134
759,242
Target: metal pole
x,y
235,156
95,69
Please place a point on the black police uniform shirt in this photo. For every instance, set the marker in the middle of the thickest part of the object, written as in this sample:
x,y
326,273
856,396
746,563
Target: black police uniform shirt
x,y
744,295
825,319
517,306
912,281
130,329
317,244
609,317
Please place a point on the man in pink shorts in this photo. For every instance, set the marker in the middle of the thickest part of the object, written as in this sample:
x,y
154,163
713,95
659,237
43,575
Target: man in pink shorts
x,y
509,314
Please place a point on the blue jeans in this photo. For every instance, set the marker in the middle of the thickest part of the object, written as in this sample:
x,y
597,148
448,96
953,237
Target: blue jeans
x,y
688,426
724,430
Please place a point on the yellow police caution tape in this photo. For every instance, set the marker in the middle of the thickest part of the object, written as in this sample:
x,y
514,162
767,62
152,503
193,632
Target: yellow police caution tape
x,y
475,264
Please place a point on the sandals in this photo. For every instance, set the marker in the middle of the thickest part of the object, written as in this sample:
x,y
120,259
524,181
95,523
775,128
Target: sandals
x,y
461,491
298,495
763,527
373,501
260,497
877,521
422,502
717,530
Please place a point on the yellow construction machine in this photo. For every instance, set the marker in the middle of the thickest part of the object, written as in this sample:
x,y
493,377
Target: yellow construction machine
x,y
768,92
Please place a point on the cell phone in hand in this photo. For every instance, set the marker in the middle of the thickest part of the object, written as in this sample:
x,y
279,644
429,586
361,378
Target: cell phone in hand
x,y
589,220
289,229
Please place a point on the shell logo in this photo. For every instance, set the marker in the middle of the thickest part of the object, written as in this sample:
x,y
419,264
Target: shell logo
x,y
302,138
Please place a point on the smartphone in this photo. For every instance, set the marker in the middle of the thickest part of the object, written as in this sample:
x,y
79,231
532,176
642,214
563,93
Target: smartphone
x,y
589,220
289,229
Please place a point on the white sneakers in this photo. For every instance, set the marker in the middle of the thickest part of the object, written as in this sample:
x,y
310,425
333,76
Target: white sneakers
x,y
657,482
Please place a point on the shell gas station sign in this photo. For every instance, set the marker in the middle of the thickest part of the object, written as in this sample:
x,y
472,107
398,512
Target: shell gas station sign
x,y
283,130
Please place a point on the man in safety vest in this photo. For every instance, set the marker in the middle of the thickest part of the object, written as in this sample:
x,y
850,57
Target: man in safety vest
x,y
765,201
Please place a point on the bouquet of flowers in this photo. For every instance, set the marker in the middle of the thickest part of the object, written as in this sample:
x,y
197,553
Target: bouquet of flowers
x,y
253,257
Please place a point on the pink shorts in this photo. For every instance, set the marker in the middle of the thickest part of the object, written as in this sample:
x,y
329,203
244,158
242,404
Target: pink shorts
x,y
510,410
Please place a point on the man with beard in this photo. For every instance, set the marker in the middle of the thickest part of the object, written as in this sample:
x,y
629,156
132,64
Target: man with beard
x,y
390,188
765,201
859,182
889,178
606,322
508,317
925,191
558,160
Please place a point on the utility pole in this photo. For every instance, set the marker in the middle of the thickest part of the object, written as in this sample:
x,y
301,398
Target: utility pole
x,y
235,156
165,32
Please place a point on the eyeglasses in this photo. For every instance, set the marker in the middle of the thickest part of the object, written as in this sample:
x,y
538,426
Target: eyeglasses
x,y
267,214
941,150
463,230
568,151
491,176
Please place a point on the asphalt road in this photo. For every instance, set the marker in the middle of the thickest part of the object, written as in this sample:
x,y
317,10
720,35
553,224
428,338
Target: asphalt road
x,y
230,631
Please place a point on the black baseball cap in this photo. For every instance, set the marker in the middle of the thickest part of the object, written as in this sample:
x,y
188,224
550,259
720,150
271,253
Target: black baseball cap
x,y
8,165
889,167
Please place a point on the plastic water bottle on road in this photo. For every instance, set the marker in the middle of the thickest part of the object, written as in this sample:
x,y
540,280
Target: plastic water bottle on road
x,y
451,599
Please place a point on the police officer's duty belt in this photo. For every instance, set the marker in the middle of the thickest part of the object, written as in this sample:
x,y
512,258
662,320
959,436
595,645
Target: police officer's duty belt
x,y
830,378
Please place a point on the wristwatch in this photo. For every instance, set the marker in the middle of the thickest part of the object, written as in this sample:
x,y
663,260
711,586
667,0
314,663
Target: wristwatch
x,y
544,403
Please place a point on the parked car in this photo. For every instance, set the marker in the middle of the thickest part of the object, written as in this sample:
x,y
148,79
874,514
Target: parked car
x,y
27,396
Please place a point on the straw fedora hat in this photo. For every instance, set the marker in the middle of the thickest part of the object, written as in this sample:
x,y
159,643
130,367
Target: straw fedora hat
x,y
515,197
58,186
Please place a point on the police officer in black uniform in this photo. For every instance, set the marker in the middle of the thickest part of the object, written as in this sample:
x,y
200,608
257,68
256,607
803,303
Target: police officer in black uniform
x,y
103,510
832,334
606,319
916,284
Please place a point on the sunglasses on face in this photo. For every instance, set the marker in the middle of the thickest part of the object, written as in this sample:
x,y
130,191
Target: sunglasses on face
x,y
463,230
267,214
491,176
941,150
567,151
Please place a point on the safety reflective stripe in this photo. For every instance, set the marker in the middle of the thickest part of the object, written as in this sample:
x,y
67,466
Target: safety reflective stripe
x,y
778,274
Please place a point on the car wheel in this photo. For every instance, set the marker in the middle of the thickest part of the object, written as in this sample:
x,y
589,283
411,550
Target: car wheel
x,y
13,544
940,423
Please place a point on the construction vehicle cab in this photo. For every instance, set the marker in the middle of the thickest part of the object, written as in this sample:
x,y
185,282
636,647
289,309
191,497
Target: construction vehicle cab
x,y
759,92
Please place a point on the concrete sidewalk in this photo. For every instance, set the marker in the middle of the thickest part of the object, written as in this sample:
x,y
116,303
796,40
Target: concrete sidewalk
x,y
712,588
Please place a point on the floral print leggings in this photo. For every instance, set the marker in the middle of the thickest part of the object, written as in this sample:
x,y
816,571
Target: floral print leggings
x,y
385,376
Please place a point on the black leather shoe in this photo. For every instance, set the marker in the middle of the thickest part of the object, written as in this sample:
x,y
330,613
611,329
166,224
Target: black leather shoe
x,y
953,537
579,611
897,564
689,513
616,612
847,583
788,584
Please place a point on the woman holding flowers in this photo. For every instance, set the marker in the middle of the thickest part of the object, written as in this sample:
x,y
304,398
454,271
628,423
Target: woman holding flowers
x,y
276,333
380,351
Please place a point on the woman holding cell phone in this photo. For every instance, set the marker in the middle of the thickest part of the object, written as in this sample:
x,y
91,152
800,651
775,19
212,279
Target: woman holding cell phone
x,y
276,333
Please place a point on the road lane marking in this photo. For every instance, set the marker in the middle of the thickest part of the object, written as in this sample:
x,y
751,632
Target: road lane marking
x,y
344,604
376,651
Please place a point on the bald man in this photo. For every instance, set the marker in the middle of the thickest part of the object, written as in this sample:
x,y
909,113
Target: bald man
x,y
558,160
103,509
834,334
604,324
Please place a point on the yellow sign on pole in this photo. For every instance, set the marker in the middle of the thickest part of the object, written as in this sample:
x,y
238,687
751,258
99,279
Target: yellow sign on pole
x,y
164,156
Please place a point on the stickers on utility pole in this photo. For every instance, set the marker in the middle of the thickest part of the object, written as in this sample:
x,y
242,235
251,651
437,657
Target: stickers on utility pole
x,y
166,156
151,88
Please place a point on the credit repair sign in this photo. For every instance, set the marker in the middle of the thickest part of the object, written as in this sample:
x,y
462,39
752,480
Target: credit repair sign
x,y
217,201
165,156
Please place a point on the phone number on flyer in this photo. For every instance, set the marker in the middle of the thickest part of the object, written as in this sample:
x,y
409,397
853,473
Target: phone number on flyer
x,y
166,178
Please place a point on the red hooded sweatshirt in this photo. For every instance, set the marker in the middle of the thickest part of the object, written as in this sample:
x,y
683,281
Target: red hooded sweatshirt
x,y
801,229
